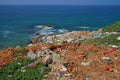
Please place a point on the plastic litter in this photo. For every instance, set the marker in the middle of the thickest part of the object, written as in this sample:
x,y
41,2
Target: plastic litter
x,y
39,54
107,60
112,50
90,53
67,74
64,68
33,64
72,55
100,35
85,63
114,46
1,65
87,78
106,53
31,55
57,56
106,69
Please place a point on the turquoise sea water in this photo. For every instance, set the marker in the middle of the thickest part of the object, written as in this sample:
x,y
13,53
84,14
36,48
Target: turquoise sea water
x,y
17,23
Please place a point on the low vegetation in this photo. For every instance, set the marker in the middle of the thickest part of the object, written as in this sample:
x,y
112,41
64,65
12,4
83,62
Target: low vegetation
x,y
115,27
107,40
110,39
20,70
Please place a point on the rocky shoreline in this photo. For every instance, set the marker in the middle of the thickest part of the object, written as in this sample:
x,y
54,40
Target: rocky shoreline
x,y
62,38
69,56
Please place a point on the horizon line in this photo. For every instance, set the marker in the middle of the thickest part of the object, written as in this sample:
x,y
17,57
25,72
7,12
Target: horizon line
x,y
62,4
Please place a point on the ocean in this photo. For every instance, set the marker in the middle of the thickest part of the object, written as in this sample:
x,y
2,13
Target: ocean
x,y
18,23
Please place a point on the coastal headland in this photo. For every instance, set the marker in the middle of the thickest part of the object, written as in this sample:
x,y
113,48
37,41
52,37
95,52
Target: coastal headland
x,y
76,55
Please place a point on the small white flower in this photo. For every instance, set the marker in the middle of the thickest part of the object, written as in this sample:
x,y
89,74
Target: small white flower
x,y
23,70
19,63
114,46
118,38
10,75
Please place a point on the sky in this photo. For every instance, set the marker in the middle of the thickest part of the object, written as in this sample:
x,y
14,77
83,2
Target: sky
x,y
60,2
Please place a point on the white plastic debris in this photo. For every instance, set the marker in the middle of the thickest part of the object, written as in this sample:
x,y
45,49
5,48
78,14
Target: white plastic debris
x,y
64,68
69,40
30,44
114,46
105,58
39,54
85,63
87,78
31,55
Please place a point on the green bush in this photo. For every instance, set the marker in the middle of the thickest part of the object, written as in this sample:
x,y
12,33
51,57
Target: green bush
x,y
21,50
111,39
113,27
14,69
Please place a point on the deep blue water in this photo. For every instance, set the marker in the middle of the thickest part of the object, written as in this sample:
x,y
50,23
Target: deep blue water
x,y
17,22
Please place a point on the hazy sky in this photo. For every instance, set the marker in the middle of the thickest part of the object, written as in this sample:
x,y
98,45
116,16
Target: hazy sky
x,y
61,2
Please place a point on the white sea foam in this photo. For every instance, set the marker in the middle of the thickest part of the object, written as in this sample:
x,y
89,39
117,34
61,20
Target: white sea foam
x,y
84,27
6,33
46,30
43,27
63,30
39,26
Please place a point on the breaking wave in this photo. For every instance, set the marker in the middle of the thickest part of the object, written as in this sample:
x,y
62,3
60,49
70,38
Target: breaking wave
x,y
84,27
47,30
6,33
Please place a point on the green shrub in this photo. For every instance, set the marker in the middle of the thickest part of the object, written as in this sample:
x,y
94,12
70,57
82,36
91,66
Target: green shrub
x,y
111,39
113,27
14,69
21,50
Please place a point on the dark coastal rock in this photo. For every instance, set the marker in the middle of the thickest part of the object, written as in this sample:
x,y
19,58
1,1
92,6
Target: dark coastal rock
x,y
48,61
36,39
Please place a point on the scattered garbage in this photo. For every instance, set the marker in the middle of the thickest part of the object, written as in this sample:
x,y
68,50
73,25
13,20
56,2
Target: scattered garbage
x,y
87,78
65,54
64,68
107,69
33,64
90,53
106,53
61,38
31,55
57,56
1,65
107,60
100,35
85,63
114,46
